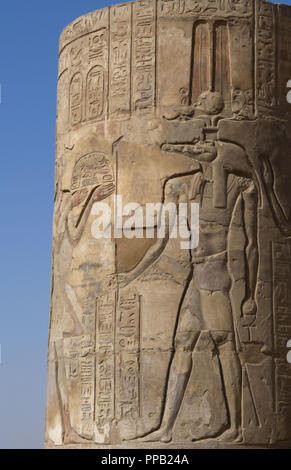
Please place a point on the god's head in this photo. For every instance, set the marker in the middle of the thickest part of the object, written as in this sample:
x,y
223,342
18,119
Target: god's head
x,y
210,102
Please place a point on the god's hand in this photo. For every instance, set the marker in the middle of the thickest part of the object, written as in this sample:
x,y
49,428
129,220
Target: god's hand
x,y
249,310
124,279
169,148
196,184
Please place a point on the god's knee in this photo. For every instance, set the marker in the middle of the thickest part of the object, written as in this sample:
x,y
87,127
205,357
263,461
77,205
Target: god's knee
x,y
222,338
182,361
185,341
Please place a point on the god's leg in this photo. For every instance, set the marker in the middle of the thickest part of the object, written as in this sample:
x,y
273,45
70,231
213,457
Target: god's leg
x,y
187,333
218,319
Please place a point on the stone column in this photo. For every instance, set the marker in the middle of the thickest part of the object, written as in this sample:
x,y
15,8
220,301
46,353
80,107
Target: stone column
x,y
156,342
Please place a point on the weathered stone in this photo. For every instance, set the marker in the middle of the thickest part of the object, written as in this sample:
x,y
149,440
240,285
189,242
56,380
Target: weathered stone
x,y
152,344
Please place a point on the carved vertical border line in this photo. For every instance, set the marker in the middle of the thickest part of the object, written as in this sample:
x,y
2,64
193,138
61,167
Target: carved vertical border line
x,y
96,359
276,41
140,360
109,59
254,70
140,401
255,13
158,21
131,72
273,326
212,48
116,298
156,53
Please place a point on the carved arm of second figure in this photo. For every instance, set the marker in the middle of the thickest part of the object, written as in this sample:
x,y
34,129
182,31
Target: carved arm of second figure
x,y
170,196
202,151
76,223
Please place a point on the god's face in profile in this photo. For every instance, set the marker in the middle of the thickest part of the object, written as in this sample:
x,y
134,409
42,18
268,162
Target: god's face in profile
x,y
210,102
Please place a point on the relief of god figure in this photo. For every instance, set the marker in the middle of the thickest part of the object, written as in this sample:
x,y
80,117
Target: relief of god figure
x,y
224,180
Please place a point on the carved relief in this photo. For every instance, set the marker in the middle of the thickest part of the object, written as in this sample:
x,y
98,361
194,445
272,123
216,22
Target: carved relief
x,y
218,185
284,59
128,344
76,53
95,92
192,7
144,55
105,387
120,53
266,61
282,323
92,170
117,347
201,63
173,102
76,99
222,61
98,45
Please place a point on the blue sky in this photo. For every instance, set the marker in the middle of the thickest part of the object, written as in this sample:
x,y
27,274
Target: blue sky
x,y
29,33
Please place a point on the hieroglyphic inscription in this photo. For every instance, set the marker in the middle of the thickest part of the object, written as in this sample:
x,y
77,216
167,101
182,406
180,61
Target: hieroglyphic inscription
x,y
87,369
97,78
76,29
95,93
128,354
87,58
194,7
284,59
143,55
120,60
266,57
83,26
76,53
98,43
80,371
105,369
282,321
76,95
72,352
